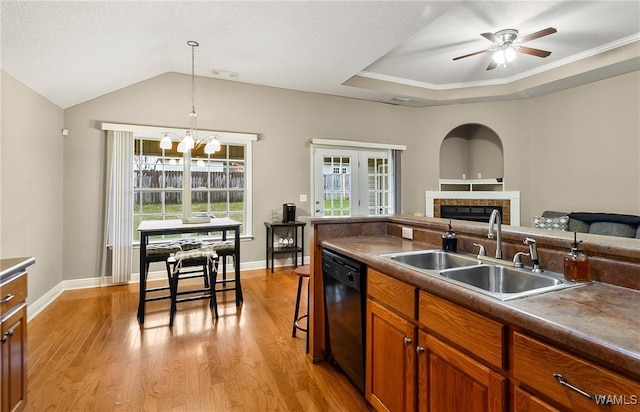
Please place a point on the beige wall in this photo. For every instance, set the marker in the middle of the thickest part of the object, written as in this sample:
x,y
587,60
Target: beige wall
x,y
571,150
574,150
31,183
421,162
584,145
284,120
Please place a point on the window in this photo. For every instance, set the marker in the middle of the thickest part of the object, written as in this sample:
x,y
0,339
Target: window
x,y
218,182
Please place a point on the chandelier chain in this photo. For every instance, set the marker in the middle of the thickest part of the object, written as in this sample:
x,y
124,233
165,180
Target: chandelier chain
x,y
193,115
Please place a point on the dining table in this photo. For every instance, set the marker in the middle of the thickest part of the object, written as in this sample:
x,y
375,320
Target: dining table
x,y
149,228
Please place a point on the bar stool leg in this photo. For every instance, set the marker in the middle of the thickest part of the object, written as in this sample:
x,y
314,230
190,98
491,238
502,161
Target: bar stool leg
x,y
173,288
297,310
213,276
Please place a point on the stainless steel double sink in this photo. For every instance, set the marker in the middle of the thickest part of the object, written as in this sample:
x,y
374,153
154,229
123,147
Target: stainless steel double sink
x,y
498,281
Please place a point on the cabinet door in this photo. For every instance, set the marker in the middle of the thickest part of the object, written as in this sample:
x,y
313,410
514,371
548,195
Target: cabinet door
x,y
13,360
525,402
452,381
391,360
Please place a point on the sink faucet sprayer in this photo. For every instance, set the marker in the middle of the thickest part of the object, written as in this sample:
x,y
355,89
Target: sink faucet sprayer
x,y
533,252
496,219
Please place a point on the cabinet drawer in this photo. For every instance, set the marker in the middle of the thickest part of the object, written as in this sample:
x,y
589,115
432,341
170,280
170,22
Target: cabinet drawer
x,y
12,293
475,333
535,363
392,292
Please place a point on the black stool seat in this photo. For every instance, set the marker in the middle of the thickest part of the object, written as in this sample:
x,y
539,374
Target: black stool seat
x,y
160,252
176,269
303,273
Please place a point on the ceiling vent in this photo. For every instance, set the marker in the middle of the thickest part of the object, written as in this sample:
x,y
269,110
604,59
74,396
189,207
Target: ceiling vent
x,y
224,73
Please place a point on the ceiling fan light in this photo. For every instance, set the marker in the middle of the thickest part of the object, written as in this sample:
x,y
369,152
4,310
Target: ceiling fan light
x,y
499,57
510,54
166,142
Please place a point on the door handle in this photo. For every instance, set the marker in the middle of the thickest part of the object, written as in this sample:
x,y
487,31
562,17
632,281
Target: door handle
x,y
419,350
407,341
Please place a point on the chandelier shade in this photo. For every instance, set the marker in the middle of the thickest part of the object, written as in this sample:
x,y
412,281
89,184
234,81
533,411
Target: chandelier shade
x,y
166,142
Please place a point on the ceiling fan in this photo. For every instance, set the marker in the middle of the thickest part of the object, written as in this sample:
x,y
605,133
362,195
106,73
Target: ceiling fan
x,y
507,44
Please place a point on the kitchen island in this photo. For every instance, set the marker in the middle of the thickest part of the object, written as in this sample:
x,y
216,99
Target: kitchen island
x,y
594,326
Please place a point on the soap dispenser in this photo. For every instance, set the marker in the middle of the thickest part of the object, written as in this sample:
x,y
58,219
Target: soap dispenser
x,y
576,263
449,240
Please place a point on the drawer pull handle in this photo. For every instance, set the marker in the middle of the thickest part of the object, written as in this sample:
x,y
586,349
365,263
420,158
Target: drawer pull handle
x,y
407,341
564,382
419,350
7,298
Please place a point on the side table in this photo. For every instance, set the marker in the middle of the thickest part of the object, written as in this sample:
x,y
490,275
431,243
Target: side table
x,y
273,249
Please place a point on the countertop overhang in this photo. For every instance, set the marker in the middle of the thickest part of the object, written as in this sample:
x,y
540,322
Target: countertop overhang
x,y
12,266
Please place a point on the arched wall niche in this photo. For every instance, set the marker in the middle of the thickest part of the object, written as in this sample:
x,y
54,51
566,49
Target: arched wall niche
x,y
471,151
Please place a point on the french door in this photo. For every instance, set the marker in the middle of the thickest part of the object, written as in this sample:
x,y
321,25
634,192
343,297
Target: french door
x,y
351,182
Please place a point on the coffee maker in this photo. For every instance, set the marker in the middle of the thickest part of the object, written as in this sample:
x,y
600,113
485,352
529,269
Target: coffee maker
x,y
288,212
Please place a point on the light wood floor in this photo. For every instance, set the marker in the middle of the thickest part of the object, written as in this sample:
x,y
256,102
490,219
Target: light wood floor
x,y
88,353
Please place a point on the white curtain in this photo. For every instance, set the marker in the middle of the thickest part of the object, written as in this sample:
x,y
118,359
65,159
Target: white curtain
x,y
119,207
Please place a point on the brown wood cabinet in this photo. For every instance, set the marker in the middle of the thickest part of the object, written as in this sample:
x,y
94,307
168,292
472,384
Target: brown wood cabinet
x,y
13,338
390,379
473,332
430,375
390,352
464,361
525,402
570,381
448,380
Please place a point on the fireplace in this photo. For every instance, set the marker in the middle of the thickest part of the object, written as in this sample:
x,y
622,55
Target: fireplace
x,y
480,213
507,202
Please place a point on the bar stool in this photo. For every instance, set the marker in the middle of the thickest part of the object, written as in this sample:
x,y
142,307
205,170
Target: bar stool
x,y
302,272
160,252
226,248
176,269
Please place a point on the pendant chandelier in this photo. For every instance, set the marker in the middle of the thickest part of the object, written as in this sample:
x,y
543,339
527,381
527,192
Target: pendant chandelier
x,y
190,139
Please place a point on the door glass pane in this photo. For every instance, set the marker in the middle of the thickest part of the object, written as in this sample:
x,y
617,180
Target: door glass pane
x,y
378,186
337,186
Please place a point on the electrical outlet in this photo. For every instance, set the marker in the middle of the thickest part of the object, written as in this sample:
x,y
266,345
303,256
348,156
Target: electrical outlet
x,y
303,198
407,233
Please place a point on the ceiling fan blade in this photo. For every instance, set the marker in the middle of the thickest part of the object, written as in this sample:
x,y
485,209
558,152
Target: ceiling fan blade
x,y
470,54
537,35
533,52
491,37
492,65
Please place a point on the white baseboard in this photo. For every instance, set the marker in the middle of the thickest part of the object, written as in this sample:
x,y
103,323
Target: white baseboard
x,y
34,308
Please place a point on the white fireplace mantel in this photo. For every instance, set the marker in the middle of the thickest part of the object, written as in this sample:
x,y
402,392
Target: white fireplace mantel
x,y
513,197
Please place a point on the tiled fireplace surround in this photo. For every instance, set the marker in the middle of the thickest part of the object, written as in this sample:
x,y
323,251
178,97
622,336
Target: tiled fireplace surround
x,y
509,200
505,203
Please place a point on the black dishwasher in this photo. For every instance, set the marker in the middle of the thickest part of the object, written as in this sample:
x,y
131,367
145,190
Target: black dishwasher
x,y
344,301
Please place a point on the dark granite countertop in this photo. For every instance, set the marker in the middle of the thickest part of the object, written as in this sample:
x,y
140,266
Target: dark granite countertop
x,y
9,267
597,321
